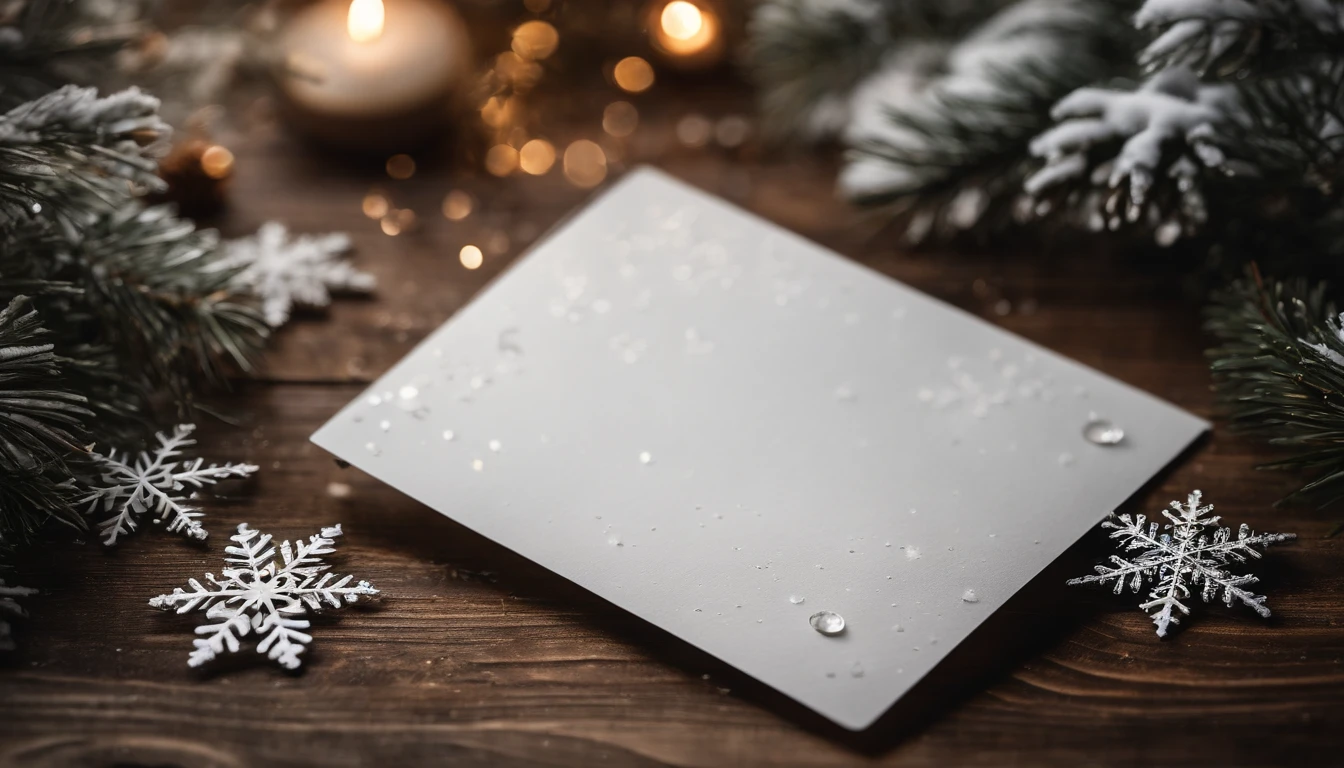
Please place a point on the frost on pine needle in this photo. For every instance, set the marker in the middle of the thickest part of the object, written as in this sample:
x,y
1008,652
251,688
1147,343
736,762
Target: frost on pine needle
x,y
154,482
258,595
1167,128
285,271
1189,554
10,607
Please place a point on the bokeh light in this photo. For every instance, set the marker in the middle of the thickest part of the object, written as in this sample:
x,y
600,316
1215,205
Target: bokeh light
x,y
457,205
401,167
620,119
633,74
535,40
501,160
536,157
471,257
375,205
585,164
216,162
681,20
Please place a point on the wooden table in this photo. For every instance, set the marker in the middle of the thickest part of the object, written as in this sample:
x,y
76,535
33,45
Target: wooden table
x,y
478,657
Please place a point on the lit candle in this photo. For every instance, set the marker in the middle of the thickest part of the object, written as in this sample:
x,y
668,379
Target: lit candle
x,y
363,75
688,34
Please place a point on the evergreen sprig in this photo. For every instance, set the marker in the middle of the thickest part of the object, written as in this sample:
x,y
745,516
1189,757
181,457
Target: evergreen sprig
x,y
1279,370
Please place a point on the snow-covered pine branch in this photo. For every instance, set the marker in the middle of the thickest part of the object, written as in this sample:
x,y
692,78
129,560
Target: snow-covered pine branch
x,y
1150,148
1229,36
812,58
950,138
72,149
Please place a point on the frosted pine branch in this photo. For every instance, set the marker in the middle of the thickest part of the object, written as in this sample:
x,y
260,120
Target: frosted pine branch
x,y
154,482
950,138
1190,553
69,147
284,271
259,596
1166,131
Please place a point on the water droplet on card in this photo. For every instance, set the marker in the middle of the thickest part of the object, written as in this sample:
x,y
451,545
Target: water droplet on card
x,y
827,622
969,596
912,553
1103,432
797,599
856,670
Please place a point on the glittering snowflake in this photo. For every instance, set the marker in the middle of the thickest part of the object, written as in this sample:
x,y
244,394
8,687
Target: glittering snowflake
x,y
258,595
284,271
154,482
1177,558
10,607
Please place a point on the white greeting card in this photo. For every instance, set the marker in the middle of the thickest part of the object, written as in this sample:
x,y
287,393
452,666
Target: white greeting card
x,y
728,430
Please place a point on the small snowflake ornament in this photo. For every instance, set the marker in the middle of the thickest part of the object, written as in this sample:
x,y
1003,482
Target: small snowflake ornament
x,y
154,482
258,595
1191,552
284,271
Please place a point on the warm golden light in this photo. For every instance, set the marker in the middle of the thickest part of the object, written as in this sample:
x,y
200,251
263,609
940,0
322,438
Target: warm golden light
x,y
620,118
536,157
471,256
217,162
689,33
376,205
501,160
633,74
401,167
535,40
365,21
457,205
681,20
585,164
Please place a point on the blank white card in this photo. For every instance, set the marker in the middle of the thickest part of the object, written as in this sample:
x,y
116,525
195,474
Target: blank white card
x,y
725,429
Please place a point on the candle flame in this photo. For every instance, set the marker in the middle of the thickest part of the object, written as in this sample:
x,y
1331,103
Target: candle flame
x,y
681,20
365,21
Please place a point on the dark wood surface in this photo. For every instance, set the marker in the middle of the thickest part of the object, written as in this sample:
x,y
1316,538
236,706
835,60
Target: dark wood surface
x,y
478,657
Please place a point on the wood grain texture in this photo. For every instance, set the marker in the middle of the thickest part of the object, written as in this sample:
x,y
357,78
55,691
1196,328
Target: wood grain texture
x,y
479,658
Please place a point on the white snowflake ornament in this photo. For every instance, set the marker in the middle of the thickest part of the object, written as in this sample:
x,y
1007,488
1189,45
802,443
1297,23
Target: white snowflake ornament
x,y
154,482
1177,558
284,271
258,595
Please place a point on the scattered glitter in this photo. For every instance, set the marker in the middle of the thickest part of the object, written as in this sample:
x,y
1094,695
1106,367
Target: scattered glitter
x,y
645,457
912,553
477,465
448,435
496,446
